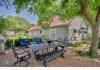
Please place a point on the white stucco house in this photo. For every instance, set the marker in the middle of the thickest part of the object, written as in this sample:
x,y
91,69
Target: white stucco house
x,y
10,33
74,29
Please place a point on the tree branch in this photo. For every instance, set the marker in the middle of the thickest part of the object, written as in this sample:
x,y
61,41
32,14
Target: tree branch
x,y
98,15
86,13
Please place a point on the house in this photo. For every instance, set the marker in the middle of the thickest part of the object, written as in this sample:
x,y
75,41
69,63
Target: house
x,y
74,29
10,32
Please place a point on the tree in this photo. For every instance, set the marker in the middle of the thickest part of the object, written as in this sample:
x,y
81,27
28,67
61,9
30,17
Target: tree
x,y
18,24
4,24
46,9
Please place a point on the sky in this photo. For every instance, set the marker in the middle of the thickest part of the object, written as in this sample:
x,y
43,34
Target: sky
x,y
11,11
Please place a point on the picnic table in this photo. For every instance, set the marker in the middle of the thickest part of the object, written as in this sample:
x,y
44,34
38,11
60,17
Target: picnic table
x,y
45,46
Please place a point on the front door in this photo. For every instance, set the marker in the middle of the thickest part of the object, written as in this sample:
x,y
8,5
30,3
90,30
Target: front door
x,y
52,34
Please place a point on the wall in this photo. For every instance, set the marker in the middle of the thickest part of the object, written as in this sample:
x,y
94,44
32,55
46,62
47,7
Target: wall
x,y
35,33
62,32
76,24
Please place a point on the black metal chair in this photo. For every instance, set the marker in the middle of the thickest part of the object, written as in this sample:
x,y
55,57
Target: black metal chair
x,y
21,55
49,42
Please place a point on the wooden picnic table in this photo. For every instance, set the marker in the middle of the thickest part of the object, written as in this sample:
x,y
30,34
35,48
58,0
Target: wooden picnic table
x,y
45,46
38,47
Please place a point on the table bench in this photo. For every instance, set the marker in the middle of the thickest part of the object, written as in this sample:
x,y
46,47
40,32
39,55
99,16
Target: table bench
x,y
58,50
52,55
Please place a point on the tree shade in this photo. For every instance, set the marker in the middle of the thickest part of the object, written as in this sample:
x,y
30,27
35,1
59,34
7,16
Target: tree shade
x,y
47,9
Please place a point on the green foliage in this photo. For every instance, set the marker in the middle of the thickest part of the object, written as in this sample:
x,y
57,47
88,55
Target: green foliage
x,y
31,39
4,24
46,9
85,41
89,37
92,53
83,53
18,24
78,43
43,37
8,43
16,42
21,35
44,25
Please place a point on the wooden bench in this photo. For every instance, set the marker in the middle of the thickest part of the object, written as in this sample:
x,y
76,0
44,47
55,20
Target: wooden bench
x,y
52,55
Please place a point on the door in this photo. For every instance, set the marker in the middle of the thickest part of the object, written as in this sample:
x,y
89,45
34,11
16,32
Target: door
x,y
52,34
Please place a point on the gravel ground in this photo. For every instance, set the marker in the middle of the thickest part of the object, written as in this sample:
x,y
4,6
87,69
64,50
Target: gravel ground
x,y
72,59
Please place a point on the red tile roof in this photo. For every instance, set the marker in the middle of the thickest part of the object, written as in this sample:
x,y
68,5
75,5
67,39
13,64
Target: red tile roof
x,y
56,21
35,27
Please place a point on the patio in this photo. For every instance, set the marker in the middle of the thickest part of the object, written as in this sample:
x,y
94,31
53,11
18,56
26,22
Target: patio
x,y
72,59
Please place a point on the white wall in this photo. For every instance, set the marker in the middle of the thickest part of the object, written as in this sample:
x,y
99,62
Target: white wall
x,y
35,33
76,24
60,32
10,33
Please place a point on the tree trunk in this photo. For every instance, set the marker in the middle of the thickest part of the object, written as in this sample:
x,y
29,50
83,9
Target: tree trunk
x,y
94,26
95,41
95,35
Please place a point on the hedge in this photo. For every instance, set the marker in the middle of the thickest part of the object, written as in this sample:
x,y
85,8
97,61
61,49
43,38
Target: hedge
x,y
9,42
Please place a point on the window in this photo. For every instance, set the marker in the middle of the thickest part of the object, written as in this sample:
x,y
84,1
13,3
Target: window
x,y
53,36
40,31
74,30
53,33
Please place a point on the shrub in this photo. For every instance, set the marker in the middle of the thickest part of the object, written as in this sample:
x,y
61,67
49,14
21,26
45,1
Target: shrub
x,y
89,36
31,39
8,43
83,53
17,42
86,41
78,43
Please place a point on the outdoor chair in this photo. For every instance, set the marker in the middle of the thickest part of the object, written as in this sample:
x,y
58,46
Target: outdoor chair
x,y
22,56
49,42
